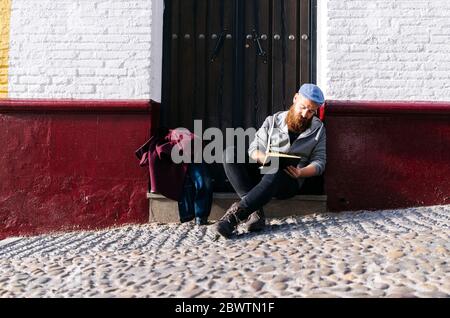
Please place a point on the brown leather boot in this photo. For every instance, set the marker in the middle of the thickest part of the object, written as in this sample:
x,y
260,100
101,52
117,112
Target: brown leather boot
x,y
228,223
256,221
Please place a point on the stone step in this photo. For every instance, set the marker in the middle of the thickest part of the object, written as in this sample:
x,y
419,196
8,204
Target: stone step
x,y
163,210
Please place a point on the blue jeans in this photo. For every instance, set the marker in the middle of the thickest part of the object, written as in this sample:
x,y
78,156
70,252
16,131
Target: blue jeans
x,y
197,196
254,188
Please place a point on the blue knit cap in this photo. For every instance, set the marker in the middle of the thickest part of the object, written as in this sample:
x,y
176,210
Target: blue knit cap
x,y
312,92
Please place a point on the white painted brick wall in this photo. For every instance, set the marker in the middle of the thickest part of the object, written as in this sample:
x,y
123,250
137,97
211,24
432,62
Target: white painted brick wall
x,y
385,49
82,49
111,49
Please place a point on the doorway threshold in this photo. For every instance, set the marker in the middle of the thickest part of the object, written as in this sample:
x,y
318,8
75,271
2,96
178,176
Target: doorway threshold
x,y
164,210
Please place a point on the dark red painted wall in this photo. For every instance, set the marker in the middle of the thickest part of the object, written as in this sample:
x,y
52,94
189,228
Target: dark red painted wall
x,y
68,165
384,155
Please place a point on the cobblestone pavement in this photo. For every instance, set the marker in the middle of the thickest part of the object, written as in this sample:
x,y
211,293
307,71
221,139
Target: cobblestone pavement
x,y
393,253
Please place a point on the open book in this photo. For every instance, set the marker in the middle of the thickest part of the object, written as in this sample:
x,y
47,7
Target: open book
x,y
284,159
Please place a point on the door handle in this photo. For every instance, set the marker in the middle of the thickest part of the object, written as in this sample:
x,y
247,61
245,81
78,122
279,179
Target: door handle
x,y
259,48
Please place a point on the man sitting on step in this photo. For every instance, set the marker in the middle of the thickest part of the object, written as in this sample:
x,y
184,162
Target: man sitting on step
x,y
296,131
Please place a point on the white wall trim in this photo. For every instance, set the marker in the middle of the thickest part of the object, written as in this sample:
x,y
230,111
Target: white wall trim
x,y
321,62
156,50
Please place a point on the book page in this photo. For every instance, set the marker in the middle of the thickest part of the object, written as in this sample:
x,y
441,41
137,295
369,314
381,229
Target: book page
x,y
281,154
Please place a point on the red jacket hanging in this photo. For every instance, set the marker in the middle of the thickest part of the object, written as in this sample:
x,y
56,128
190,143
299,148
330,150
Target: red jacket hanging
x,y
166,177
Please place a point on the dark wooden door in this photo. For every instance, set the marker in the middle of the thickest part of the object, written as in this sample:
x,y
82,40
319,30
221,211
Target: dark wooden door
x,y
231,63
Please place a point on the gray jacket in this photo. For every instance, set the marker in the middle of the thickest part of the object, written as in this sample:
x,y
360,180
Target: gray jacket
x,y
310,145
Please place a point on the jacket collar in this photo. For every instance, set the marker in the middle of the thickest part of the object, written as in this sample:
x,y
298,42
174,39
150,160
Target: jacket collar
x,y
281,123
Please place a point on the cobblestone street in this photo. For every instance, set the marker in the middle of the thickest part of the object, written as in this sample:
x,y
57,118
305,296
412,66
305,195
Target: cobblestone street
x,y
394,253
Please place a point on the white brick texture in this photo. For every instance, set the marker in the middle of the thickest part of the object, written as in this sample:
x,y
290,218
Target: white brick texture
x,y
111,49
386,50
81,49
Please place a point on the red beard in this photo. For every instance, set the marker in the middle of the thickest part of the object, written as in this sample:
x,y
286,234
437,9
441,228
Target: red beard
x,y
297,123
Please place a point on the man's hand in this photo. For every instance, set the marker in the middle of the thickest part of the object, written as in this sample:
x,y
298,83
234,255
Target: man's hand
x,y
294,172
259,156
